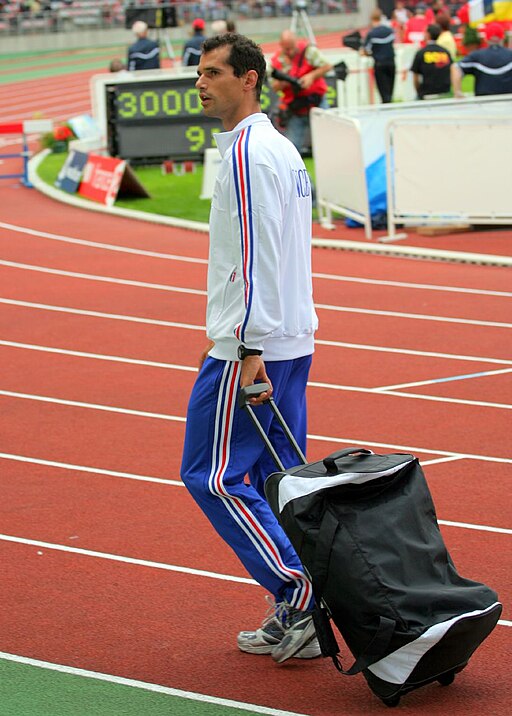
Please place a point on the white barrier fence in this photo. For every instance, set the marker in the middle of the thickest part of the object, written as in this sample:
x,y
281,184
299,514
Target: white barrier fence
x,y
348,144
445,171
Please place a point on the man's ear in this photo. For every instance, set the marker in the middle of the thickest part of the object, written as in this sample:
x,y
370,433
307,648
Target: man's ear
x,y
251,79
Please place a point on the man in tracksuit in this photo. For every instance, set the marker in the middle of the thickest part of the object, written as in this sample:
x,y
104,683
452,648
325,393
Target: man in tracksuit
x,y
378,43
260,325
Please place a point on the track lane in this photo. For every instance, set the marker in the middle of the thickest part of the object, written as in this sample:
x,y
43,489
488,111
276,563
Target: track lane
x,y
123,629
150,389
148,521
27,370
386,330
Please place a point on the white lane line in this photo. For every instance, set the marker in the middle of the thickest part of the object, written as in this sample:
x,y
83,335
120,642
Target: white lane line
x,y
201,292
175,257
435,381
325,386
104,279
92,406
410,352
326,276
92,470
192,369
127,560
482,528
405,284
107,247
413,449
439,460
98,356
415,316
180,419
413,396
100,314
145,686
195,327
179,483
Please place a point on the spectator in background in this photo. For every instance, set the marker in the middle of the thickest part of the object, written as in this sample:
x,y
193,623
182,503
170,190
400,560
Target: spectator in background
x,y
431,67
416,26
379,45
116,65
192,47
491,66
305,63
144,54
437,8
219,27
446,38
399,19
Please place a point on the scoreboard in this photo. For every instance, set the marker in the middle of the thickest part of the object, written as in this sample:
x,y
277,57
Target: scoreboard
x,y
155,115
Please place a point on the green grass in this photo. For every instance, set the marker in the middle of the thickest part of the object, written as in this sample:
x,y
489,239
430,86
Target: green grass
x,y
27,690
171,195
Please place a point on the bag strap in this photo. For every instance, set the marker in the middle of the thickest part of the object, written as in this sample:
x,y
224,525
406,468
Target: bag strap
x,y
328,645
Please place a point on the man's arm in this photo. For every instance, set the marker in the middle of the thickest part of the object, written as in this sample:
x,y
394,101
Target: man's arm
x,y
456,77
416,78
322,67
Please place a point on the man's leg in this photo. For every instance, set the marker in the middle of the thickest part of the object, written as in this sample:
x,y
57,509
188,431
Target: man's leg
x,y
221,446
296,130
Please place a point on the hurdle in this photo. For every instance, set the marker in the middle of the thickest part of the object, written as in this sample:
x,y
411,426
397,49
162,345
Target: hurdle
x,y
24,128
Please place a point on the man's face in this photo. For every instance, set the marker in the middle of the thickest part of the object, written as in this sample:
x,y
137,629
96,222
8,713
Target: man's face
x,y
220,92
289,48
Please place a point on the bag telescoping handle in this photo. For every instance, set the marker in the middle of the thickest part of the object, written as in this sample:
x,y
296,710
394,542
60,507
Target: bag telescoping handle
x,y
252,391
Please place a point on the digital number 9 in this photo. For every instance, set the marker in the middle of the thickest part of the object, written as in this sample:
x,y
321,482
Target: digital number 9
x,y
195,136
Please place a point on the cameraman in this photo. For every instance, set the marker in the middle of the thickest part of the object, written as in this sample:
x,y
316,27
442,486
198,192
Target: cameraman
x,y
305,64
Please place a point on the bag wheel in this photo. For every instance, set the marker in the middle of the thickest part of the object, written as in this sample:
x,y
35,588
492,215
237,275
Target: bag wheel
x,y
391,701
447,679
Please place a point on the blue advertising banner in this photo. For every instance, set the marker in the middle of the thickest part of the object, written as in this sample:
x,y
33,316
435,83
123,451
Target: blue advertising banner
x,y
71,172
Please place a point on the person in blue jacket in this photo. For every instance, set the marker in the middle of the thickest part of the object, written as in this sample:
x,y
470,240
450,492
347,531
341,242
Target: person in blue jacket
x,y
192,47
378,44
144,54
491,66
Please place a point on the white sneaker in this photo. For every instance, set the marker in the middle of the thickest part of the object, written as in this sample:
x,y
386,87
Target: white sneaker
x,y
299,631
270,634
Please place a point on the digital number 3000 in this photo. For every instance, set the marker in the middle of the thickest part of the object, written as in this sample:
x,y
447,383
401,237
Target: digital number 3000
x,y
170,103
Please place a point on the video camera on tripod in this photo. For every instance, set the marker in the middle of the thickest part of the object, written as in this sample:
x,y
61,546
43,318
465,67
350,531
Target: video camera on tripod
x,y
283,77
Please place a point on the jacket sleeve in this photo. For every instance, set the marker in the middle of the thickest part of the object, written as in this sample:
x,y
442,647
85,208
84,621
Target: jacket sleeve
x,y
259,200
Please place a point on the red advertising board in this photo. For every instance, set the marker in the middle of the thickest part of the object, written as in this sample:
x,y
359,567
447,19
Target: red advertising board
x,y
102,178
106,177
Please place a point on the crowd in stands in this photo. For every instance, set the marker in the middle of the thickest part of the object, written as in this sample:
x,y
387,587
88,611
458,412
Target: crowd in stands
x,y
57,15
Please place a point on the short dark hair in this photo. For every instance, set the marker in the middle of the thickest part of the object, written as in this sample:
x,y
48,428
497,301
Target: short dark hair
x,y
434,31
245,55
443,21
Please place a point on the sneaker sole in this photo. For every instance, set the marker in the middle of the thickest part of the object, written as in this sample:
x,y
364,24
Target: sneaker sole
x,y
310,651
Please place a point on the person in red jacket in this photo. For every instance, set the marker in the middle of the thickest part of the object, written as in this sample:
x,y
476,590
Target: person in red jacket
x,y
307,66
416,26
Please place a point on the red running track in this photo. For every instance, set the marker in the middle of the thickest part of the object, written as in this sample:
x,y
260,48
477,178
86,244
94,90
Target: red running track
x,y
109,565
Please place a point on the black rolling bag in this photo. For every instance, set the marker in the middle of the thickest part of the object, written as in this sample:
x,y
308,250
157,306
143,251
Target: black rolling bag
x,y
365,529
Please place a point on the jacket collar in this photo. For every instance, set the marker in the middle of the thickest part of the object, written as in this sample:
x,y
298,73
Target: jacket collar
x,y
225,139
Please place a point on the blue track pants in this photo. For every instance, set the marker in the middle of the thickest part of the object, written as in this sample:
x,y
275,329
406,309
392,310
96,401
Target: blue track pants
x,y
222,447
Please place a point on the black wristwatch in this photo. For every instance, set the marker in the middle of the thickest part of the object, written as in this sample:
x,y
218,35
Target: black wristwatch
x,y
243,352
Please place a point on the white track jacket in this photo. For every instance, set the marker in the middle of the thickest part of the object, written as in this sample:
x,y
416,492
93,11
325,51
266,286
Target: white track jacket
x,y
259,271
